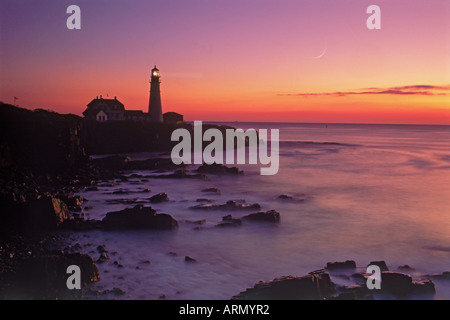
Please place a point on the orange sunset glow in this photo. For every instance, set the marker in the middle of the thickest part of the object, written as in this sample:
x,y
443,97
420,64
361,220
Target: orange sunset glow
x,y
290,61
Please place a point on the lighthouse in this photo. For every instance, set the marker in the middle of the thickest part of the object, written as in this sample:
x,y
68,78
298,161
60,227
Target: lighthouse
x,y
154,105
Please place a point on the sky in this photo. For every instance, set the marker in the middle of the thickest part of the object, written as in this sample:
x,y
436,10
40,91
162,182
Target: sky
x,y
233,60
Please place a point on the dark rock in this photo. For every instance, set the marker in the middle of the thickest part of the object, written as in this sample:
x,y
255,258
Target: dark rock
x,y
316,285
268,216
381,264
423,287
48,273
405,268
229,205
173,254
101,249
398,284
163,296
160,197
284,197
211,190
77,210
46,213
118,264
103,257
346,265
71,201
348,295
219,169
323,282
189,259
139,217
229,221
353,292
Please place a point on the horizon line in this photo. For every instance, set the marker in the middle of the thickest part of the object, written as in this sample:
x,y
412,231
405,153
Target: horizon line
x,y
325,123
240,121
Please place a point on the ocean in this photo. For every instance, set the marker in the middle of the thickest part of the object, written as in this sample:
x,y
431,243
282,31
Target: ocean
x,y
356,192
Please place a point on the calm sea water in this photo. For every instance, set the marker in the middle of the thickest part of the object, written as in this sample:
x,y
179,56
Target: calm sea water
x,y
361,192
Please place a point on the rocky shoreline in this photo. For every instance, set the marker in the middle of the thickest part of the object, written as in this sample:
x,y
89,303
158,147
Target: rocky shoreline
x,y
320,285
43,165
41,177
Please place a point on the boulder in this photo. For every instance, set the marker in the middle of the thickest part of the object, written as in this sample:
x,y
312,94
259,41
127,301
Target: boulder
x,y
101,249
189,259
406,268
346,265
229,221
423,287
353,292
284,197
268,216
219,169
47,274
103,257
398,284
158,198
381,264
71,201
46,213
316,285
139,217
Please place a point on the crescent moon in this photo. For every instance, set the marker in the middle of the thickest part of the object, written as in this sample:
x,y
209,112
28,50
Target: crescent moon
x,y
321,55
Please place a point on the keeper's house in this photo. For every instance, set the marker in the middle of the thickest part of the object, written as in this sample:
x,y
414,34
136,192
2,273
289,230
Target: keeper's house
x,y
100,109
